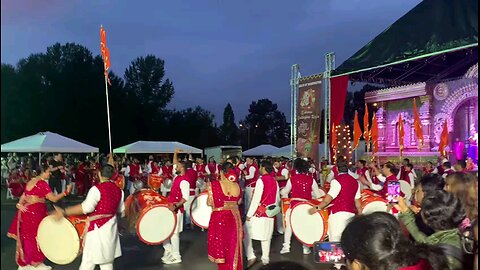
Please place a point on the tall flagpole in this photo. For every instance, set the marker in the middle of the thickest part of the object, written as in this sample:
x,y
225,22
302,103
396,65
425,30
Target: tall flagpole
x,y
108,116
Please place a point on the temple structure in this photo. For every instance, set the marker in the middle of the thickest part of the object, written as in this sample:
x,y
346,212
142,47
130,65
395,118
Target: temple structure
x,y
455,101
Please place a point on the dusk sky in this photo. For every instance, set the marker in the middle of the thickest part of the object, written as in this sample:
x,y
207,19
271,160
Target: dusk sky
x,y
215,51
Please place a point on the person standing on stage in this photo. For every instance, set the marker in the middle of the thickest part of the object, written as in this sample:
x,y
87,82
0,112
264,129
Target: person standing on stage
x,y
179,194
31,211
258,225
300,187
344,201
251,176
225,228
103,202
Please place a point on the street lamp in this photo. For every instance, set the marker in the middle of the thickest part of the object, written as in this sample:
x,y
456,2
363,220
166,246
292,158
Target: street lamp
x,y
248,133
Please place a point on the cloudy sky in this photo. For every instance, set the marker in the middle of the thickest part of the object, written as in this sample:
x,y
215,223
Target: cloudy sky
x,y
215,51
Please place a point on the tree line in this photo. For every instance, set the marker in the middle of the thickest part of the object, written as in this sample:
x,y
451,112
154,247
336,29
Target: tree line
x,y
62,90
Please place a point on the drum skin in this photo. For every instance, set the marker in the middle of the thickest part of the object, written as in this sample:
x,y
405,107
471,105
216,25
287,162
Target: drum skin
x,y
372,203
61,240
147,212
308,228
200,211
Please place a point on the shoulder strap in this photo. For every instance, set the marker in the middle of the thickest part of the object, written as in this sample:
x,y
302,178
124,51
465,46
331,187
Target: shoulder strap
x,y
452,251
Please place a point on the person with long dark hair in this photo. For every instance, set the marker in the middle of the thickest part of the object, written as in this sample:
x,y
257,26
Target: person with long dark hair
x,y
375,241
225,228
428,183
443,212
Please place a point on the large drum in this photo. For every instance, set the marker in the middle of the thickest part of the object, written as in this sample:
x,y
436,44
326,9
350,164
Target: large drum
x,y
147,212
285,206
200,211
406,189
373,203
120,181
308,228
61,240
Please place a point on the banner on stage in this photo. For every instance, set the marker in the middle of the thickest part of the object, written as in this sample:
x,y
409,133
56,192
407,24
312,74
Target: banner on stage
x,y
309,110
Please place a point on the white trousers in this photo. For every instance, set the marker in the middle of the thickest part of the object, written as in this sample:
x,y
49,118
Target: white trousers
x,y
336,224
287,236
172,245
247,242
90,266
186,206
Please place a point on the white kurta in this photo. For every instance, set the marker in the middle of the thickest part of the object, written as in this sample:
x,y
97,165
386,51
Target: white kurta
x,y
259,228
102,245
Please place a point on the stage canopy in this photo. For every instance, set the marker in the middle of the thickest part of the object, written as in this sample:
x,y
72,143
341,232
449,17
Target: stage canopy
x,y
47,142
436,40
285,151
151,147
260,151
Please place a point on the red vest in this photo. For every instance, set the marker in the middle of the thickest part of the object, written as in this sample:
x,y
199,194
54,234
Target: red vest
x,y
212,167
335,172
384,191
175,194
155,167
440,170
362,171
192,177
270,190
237,170
251,182
403,174
134,170
345,200
110,196
282,183
167,172
301,188
200,168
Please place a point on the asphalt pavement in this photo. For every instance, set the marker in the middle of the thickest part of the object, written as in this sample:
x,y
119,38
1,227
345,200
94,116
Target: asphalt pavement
x,y
138,256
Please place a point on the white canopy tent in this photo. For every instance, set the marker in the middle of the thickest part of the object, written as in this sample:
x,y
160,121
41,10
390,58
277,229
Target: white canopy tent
x,y
47,142
152,147
285,151
261,150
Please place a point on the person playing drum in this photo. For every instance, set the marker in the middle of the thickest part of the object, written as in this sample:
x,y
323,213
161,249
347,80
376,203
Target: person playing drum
x,y
300,186
178,196
31,210
225,227
103,202
344,195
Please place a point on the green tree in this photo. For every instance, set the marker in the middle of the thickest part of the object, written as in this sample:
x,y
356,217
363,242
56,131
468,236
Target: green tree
x,y
265,124
229,130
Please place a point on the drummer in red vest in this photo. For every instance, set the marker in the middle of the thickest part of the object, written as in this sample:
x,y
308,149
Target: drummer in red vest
x,y
429,168
388,174
192,177
134,171
178,196
343,200
152,166
300,187
410,178
363,174
447,169
212,169
166,170
252,174
402,173
281,174
103,202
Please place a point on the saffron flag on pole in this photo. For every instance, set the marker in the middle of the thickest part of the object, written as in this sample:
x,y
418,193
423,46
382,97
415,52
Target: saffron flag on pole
x,y
401,135
417,125
374,135
105,52
443,140
357,131
366,130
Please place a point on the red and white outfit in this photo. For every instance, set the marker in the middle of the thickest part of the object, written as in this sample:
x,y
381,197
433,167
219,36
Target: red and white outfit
x,y
192,177
168,173
260,227
252,174
447,172
344,190
333,174
212,170
410,178
133,171
102,242
281,172
300,187
152,167
180,190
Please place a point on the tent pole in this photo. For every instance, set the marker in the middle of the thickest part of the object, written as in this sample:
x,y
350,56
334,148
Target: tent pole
x,y
40,160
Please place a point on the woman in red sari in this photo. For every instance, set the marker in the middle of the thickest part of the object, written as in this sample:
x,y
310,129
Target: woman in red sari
x,y
31,210
225,231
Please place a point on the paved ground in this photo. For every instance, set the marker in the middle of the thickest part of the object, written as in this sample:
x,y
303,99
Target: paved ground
x,y
138,256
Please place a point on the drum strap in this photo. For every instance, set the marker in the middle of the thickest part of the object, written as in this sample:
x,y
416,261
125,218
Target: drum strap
x,y
298,199
87,225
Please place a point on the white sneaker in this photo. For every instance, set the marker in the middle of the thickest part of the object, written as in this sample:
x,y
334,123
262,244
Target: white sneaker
x,y
26,267
306,251
166,256
285,250
265,262
173,260
42,266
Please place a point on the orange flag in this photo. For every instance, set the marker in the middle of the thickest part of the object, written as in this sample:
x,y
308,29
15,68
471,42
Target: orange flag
x,y
366,131
443,140
417,125
401,134
105,52
357,131
333,141
374,134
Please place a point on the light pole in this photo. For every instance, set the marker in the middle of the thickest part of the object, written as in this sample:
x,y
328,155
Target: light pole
x,y
248,133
